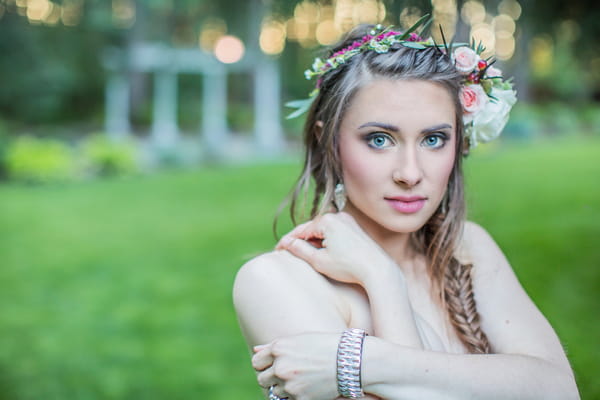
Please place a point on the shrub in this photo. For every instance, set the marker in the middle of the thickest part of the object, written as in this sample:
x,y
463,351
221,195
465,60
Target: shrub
x,y
102,156
35,160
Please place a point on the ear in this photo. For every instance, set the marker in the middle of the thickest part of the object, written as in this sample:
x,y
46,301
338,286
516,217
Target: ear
x,y
319,130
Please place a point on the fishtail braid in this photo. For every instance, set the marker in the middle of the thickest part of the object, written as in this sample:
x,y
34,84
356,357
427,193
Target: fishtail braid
x,y
461,307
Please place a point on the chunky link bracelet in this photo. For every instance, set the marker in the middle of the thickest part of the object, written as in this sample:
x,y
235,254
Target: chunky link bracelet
x,y
349,356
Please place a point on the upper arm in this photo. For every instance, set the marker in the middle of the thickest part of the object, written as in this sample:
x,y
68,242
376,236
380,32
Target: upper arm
x,y
277,294
510,319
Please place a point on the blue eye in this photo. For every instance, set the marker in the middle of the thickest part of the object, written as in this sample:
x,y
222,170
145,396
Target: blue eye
x,y
378,141
435,141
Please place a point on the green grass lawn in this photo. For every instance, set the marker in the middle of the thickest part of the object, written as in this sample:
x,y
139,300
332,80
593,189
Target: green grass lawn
x,y
120,289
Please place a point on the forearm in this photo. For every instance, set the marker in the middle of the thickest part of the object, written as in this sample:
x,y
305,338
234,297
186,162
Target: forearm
x,y
395,372
391,312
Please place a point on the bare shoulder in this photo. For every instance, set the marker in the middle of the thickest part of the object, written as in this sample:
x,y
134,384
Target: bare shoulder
x,y
477,247
277,294
276,270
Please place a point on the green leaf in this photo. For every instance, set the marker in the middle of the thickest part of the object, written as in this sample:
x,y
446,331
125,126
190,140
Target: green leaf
x,y
302,106
413,45
415,26
425,27
296,103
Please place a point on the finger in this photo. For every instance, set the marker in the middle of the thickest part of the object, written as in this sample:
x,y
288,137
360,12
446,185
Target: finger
x,y
259,347
307,230
303,250
267,378
262,360
294,233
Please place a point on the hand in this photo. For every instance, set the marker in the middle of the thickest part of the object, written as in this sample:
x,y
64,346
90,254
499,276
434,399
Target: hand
x,y
301,366
336,246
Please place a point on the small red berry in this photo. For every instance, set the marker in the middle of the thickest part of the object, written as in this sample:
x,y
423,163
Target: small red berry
x,y
482,64
473,77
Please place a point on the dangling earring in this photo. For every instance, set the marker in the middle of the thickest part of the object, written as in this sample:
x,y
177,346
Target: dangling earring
x,y
339,196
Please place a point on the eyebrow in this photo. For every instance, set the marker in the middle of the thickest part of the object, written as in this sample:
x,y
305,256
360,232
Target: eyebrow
x,y
395,129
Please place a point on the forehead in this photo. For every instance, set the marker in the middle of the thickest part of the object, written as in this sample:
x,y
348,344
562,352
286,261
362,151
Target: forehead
x,y
408,104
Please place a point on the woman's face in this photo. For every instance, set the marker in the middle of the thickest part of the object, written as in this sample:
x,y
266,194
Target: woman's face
x,y
397,149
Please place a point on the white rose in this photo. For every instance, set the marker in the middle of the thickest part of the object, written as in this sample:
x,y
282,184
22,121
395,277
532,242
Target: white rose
x,y
492,72
491,119
465,59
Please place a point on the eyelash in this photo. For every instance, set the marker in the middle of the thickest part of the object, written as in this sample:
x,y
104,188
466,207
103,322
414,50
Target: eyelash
x,y
439,135
371,136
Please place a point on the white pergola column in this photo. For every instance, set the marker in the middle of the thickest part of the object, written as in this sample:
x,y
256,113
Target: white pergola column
x,y
268,134
165,132
117,124
214,111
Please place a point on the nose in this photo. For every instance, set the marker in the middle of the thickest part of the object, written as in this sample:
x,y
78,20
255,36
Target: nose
x,y
408,171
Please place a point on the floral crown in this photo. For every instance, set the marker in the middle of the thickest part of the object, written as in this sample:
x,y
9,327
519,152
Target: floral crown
x,y
485,96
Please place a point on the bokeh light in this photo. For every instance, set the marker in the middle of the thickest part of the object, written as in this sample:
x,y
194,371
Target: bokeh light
x,y
71,12
368,12
409,16
484,33
541,54
38,10
472,12
123,12
272,37
444,15
505,46
344,12
212,30
327,33
307,12
511,8
229,49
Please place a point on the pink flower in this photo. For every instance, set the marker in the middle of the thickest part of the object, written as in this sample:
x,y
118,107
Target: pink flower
x,y
465,59
473,98
413,37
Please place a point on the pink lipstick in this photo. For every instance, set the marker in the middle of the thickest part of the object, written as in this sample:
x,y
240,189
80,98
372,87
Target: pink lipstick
x,y
406,204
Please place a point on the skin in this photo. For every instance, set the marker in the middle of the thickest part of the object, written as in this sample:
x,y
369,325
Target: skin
x,y
355,269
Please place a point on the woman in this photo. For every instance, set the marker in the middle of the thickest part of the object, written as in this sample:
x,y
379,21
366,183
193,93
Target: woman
x,y
436,309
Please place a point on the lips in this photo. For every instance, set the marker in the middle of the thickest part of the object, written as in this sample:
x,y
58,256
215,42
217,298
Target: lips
x,y
406,204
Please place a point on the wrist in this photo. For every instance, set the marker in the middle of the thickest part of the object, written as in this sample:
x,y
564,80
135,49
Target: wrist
x,y
349,363
384,273
379,368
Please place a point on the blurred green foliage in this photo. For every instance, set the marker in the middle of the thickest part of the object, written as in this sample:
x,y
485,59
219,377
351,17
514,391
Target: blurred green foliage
x,y
528,121
43,160
35,160
127,294
102,156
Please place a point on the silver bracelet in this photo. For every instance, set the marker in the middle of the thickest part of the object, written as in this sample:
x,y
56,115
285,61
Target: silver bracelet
x,y
349,356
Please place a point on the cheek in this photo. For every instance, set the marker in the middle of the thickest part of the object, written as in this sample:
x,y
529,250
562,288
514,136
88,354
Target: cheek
x,y
355,164
444,169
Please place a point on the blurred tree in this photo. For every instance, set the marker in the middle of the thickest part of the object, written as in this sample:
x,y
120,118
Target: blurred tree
x,y
51,57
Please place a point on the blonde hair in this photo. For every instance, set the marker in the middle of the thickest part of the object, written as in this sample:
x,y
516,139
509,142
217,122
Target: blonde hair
x,y
437,240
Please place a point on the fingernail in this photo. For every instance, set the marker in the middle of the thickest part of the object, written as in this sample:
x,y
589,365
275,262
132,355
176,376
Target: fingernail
x,y
259,347
285,241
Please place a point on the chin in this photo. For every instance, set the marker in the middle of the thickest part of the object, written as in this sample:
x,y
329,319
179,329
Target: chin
x,y
408,225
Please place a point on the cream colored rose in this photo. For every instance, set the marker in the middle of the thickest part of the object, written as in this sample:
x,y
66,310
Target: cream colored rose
x,y
465,59
491,119
492,72
473,99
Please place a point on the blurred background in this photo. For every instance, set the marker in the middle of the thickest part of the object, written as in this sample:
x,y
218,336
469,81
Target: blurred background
x,y
144,152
